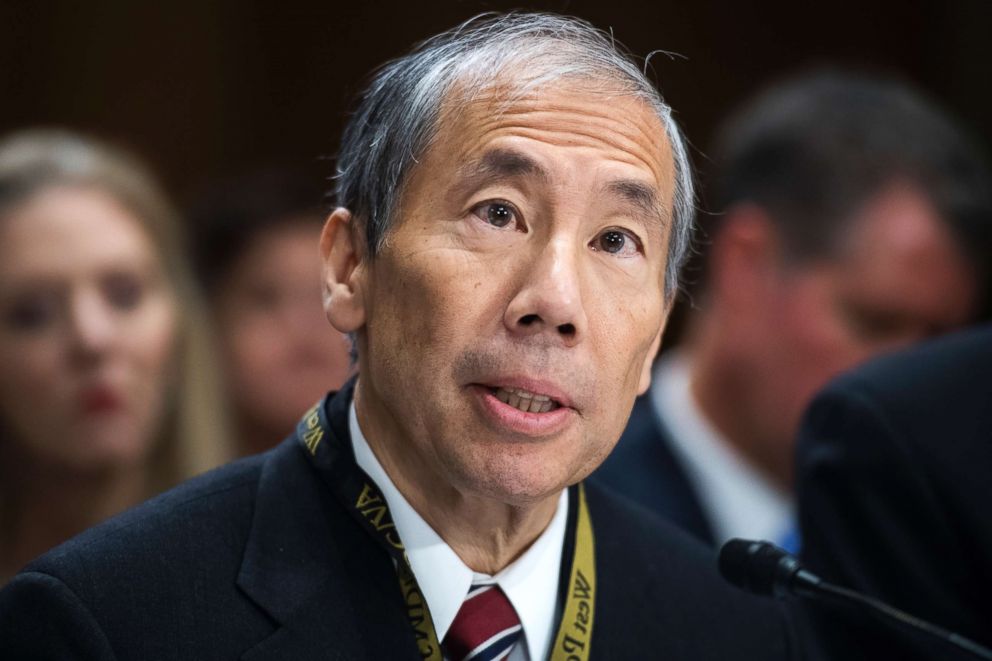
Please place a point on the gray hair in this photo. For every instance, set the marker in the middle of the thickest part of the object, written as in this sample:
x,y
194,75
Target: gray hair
x,y
399,114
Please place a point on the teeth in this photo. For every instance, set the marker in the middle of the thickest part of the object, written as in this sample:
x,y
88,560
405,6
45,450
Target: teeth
x,y
524,400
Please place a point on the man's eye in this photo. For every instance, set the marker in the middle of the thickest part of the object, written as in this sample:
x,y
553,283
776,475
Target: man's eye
x,y
497,214
876,325
616,242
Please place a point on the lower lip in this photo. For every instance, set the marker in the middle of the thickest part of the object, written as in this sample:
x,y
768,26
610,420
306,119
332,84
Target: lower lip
x,y
512,419
100,401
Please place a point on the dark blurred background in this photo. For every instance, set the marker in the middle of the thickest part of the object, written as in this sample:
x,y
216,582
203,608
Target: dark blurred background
x,y
202,89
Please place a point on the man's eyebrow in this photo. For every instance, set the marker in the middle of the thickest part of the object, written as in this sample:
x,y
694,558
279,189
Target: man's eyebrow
x,y
640,195
501,163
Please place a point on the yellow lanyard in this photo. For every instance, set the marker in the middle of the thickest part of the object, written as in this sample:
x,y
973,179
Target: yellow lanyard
x,y
369,507
575,630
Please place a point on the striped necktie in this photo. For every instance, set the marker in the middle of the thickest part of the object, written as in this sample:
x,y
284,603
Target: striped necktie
x,y
485,628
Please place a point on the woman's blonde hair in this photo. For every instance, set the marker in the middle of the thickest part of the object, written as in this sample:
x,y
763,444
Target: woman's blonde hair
x,y
194,435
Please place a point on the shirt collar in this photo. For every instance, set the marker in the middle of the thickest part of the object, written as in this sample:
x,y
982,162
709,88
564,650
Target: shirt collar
x,y
739,499
530,582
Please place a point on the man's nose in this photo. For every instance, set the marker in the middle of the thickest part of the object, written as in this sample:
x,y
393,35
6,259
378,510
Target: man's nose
x,y
548,300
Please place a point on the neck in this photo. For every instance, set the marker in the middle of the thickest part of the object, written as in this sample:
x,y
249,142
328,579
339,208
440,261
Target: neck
x,y
485,532
719,385
44,506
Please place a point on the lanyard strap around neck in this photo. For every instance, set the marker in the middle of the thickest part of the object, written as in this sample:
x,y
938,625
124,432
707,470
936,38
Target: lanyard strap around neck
x,y
334,460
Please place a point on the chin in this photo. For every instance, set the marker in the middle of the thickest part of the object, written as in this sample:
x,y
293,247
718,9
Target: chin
x,y
517,481
108,449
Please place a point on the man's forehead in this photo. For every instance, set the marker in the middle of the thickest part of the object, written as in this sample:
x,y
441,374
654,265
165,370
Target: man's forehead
x,y
580,112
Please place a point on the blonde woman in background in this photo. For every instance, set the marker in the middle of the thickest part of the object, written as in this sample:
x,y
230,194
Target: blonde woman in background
x,y
107,390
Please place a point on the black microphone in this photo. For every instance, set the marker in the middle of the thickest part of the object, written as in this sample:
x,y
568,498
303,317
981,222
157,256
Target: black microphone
x,y
764,569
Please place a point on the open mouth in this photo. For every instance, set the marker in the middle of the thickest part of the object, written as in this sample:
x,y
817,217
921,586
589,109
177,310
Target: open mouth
x,y
524,400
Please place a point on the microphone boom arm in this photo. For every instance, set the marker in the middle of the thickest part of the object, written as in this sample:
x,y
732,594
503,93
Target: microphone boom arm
x,y
764,569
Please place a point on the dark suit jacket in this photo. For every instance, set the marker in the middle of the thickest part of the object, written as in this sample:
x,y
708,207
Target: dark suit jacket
x,y
258,560
895,493
643,468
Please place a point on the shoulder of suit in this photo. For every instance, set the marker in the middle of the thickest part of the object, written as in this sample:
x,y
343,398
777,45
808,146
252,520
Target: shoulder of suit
x,y
212,506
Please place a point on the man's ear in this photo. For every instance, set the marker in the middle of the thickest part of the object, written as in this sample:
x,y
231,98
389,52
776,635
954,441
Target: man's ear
x,y
343,273
645,380
745,258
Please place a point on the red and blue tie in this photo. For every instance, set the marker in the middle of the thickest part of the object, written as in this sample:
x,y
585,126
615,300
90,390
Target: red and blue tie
x,y
486,627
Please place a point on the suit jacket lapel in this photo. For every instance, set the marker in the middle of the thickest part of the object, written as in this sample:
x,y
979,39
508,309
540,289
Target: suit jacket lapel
x,y
332,591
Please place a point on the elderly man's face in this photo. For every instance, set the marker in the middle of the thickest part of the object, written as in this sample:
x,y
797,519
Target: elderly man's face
x,y
512,316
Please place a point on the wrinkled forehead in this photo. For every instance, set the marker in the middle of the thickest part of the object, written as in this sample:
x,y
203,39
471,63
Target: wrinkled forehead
x,y
593,109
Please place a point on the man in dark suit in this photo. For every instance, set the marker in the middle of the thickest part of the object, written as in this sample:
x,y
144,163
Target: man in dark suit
x,y
855,219
515,204
894,494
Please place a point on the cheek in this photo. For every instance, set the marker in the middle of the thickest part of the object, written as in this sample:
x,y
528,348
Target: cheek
x,y
623,327
33,389
439,304
152,345
622,330
824,341
810,343
249,345
31,364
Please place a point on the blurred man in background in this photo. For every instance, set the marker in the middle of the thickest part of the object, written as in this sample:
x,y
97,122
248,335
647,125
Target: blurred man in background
x,y
854,218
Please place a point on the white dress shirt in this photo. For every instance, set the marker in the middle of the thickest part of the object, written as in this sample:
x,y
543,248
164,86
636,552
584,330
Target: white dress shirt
x,y
530,582
736,497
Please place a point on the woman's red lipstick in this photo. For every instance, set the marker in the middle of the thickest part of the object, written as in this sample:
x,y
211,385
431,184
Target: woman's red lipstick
x,y
100,399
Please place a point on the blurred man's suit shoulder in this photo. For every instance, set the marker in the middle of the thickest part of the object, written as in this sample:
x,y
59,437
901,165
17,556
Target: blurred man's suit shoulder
x,y
893,468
